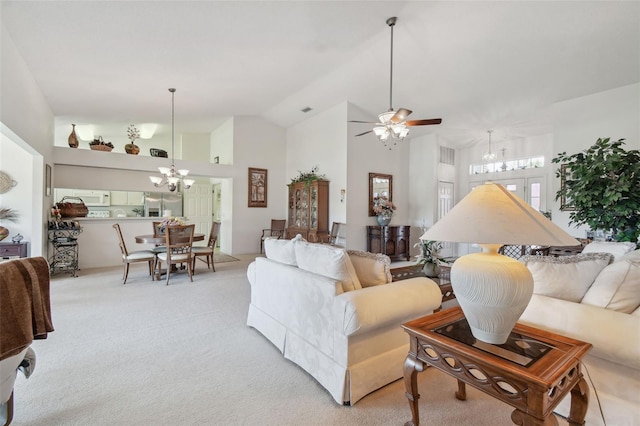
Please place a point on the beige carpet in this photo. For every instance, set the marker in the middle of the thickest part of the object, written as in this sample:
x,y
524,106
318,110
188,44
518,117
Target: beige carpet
x,y
150,354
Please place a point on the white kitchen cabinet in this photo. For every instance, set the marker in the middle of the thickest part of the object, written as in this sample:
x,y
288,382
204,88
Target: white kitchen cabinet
x,y
119,198
127,198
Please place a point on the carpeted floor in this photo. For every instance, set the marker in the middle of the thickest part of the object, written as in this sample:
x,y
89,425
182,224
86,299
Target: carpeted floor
x,y
223,257
150,354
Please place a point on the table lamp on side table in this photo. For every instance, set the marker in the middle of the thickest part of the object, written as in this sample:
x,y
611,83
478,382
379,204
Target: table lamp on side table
x,y
493,290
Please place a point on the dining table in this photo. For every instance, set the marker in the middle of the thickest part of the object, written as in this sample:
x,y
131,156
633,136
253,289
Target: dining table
x,y
160,240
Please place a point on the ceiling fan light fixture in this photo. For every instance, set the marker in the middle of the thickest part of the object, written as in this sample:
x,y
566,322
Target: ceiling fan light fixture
x,y
385,117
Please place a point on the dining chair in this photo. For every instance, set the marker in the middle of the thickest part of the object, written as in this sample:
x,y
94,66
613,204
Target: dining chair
x,y
207,250
159,248
134,256
178,242
336,236
276,230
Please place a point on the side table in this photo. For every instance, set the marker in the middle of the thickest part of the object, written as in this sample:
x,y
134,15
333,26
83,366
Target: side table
x,y
533,371
10,251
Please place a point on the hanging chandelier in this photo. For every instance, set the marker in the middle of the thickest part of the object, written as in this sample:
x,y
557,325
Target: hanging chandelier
x,y
489,155
170,176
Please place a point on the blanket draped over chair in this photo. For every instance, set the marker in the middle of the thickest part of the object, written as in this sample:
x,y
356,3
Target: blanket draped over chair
x,y
25,308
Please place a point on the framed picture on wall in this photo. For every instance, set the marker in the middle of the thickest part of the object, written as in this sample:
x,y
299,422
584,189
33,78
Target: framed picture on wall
x,y
257,187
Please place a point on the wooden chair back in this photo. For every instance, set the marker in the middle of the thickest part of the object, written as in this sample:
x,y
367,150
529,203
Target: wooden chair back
x,y
277,227
123,246
213,235
179,239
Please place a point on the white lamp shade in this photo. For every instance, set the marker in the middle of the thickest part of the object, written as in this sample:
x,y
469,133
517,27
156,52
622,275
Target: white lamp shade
x,y
188,182
156,180
173,179
165,170
491,214
183,172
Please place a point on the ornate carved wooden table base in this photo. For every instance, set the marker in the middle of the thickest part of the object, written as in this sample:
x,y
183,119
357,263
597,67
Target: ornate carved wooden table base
x,y
533,371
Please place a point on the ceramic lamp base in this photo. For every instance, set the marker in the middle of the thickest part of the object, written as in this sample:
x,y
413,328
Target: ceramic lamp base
x,y
493,291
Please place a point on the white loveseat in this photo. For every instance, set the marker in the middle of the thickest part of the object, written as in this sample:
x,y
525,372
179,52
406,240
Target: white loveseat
x,y
590,299
336,313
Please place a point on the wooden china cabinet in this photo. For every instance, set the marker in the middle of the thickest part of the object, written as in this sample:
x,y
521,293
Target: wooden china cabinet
x,y
308,210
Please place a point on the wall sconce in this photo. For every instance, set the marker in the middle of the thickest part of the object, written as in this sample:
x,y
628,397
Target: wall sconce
x,y
342,193
85,132
147,130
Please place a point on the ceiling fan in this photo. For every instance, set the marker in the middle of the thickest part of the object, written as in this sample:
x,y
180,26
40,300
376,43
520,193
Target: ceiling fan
x,y
393,124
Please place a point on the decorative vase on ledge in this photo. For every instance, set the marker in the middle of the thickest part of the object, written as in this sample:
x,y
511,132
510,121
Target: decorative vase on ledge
x,y
73,138
132,149
383,220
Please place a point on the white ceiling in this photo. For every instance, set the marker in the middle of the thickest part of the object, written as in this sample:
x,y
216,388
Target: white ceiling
x,y
478,65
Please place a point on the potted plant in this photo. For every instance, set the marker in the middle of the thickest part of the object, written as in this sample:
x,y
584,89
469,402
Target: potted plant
x,y
601,185
132,134
429,256
307,177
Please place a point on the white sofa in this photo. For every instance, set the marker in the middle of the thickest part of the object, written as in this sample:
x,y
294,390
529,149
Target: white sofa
x,y
336,313
590,299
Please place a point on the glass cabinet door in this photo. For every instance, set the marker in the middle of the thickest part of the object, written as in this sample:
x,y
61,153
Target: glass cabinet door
x,y
313,213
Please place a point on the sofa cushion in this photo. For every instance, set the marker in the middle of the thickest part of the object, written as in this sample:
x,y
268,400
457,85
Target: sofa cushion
x,y
281,250
329,261
617,249
565,277
371,268
617,287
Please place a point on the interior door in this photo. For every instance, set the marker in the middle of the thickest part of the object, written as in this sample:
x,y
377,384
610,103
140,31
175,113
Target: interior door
x,y
198,208
445,203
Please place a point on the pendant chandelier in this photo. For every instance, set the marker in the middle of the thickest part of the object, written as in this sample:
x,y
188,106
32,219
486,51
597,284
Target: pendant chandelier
x,y
170,176
489,155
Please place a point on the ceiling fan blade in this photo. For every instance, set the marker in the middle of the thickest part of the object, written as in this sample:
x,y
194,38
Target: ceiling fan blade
x,y
364,133
358,121
400,115
424,122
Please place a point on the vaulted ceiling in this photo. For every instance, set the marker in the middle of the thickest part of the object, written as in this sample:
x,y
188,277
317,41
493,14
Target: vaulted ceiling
x,y
477,65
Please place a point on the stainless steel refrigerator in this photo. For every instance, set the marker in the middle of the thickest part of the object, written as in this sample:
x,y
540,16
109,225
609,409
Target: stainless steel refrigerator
x,y
158,204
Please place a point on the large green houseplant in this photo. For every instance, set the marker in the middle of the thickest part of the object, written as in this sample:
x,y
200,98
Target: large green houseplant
x,y
602,186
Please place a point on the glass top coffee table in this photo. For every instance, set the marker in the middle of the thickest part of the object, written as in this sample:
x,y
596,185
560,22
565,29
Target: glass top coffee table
x,y
533,371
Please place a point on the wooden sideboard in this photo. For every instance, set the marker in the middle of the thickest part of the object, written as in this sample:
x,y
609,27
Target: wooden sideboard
x,y
390,240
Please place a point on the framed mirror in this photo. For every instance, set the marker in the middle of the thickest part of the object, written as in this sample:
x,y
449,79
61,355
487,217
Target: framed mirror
x,y
379,185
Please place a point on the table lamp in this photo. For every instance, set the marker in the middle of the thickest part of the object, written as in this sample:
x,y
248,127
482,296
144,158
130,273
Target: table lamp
x,y
493,290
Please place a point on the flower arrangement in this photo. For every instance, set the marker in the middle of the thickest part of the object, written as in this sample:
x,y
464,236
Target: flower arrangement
x,y
383,207
168,221
308,177
133,133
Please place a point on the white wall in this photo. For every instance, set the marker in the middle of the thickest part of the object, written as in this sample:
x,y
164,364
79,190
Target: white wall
x,y
261,144
365,155
321,141
27,130
578,123
222,143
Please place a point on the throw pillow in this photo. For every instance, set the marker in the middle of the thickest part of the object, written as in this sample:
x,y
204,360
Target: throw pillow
x,y
565,277
329,261
617,249
281,250
632,255
617,287
372,268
